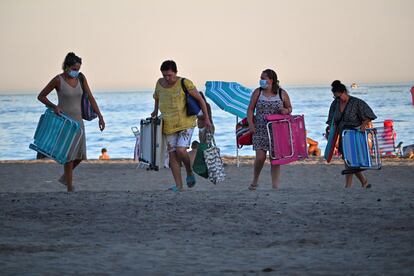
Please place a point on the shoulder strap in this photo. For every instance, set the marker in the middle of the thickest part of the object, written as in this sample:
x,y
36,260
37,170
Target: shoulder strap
x,y
183,86
257,98
81,78
280,93
343,112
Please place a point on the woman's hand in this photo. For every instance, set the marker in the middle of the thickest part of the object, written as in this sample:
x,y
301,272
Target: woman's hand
x,y
58,110
252,129
101,123
208,124
363,127
284,111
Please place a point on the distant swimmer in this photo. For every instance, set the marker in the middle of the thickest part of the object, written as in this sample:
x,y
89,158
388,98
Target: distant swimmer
x,y
104,155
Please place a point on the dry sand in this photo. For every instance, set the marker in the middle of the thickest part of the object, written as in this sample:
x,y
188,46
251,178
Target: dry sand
x,y
121,220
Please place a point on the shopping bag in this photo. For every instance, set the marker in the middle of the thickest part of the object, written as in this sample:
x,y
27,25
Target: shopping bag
x,y
215,166
199,165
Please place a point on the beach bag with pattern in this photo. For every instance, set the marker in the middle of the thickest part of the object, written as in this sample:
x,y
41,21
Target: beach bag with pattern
x,y
213,161
87,111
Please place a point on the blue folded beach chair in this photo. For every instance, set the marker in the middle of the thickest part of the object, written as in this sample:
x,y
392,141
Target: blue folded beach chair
x,y
57,136
357,152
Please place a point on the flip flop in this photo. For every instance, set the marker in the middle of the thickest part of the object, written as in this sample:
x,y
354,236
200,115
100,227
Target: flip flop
x,y
191,181
174,189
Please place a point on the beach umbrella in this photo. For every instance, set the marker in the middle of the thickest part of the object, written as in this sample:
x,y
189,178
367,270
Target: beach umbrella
x,y
229,96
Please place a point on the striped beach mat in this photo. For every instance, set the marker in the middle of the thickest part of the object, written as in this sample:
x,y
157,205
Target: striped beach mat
x,y
57,136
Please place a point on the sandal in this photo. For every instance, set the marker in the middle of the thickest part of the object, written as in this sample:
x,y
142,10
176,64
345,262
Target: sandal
x,y
366,185
252,187
191,181
174,189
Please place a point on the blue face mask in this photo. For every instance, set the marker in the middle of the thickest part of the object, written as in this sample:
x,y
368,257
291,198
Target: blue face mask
x,y
73,74
263,84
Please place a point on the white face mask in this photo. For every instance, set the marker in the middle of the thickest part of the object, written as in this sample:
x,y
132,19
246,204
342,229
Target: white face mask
x,y
263,84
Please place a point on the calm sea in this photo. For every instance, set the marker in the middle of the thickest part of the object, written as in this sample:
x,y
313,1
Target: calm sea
x,y
19,115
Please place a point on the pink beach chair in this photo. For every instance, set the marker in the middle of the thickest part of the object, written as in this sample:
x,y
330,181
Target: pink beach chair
x,y
287,138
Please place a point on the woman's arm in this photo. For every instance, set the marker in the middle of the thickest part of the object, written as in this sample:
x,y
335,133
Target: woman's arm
x,y
287,106
251,108
42,97
155,112
93,102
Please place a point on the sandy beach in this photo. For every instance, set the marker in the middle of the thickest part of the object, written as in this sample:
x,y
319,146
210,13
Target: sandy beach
x,y
122,220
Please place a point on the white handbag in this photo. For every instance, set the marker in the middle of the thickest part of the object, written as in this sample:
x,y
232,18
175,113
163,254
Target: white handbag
x,y
213,161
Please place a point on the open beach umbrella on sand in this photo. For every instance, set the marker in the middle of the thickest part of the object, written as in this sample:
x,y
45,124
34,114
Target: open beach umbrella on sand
x,y
231,97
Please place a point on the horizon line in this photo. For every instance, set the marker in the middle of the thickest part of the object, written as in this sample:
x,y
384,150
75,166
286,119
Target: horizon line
x,y
129,90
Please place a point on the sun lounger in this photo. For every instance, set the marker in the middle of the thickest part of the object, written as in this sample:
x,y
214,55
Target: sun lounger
x,y
287,138
57,136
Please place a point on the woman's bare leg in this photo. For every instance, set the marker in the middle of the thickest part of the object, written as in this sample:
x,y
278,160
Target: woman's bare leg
x,y
362,179
68,175
62,179
348,180
258,166
275,173
176,169
182,155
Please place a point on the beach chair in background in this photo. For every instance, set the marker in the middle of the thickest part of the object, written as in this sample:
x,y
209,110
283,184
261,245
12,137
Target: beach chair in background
x,y
386,140
137,135
57,136
243,134
360,149
152,144
287,138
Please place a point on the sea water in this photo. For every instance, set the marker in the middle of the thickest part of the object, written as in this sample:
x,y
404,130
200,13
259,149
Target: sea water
x,y
19,114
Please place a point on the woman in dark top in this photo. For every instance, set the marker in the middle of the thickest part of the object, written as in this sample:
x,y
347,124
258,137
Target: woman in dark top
x,y
349,112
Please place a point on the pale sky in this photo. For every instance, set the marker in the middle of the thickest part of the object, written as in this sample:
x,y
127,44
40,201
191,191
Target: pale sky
x,y
123,43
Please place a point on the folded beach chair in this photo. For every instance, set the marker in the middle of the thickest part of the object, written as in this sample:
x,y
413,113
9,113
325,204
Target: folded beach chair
x,y
243,134
57,136
137,135
287,138
152,145
357,151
